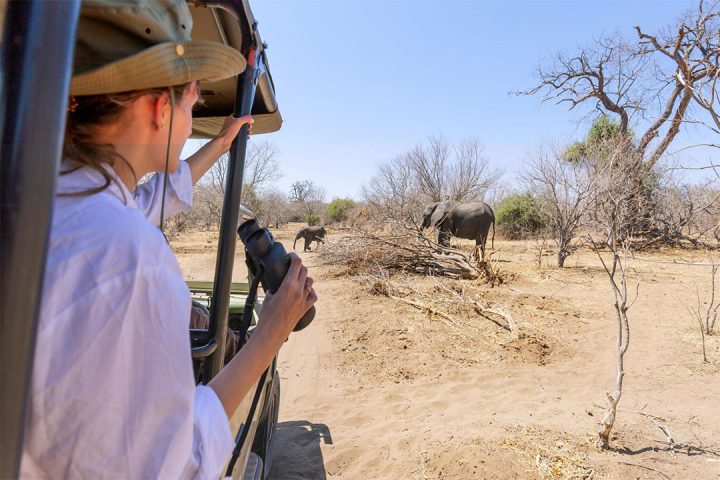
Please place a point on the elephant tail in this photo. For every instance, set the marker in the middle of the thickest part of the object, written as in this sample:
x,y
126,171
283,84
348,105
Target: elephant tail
x,y
492,243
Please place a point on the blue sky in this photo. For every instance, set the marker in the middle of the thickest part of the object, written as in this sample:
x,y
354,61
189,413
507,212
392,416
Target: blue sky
x,y
359,82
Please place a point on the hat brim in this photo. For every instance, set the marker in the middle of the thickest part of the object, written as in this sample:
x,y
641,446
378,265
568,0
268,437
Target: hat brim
x,y
163,65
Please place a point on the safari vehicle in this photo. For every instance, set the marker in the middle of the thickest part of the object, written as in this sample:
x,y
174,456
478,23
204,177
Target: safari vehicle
x,y
37,52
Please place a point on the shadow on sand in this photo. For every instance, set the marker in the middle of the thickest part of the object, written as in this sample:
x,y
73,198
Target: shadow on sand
x,y
296,451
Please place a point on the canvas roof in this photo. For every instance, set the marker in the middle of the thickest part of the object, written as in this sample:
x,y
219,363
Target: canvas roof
x,y
231,22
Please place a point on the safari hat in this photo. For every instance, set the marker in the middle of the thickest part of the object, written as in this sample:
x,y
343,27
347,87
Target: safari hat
x,y
125,45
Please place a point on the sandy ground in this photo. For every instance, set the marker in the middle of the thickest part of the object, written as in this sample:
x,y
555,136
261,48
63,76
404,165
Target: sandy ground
x,y
377,389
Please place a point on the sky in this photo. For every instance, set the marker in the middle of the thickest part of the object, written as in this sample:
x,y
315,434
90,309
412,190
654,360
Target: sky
x,y
360,82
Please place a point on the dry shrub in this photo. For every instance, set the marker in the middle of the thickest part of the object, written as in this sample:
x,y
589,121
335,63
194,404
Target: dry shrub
x,y
491,272
550,456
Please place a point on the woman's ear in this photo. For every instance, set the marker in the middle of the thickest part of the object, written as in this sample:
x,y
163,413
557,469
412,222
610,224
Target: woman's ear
x,y
160,108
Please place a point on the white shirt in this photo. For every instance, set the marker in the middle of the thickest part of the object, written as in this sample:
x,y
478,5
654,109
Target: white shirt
x,y
113,393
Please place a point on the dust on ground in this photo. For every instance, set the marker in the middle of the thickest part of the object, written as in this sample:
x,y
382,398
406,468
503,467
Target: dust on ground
x,y
375,388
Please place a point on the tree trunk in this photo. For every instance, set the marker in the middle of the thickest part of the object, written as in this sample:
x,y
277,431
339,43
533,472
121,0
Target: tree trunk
x,y
622,343
603,441
563,252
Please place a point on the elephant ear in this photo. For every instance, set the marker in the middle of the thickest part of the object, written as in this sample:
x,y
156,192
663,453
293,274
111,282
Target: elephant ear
x,y
437,214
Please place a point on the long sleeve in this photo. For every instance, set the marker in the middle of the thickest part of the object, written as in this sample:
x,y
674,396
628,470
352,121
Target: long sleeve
x,y
113,393
178,196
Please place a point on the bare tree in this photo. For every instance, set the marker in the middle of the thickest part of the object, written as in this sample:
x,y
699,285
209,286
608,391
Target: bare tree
x,y
430,172
684,213
617,208
652,77
262,168
308,196
440,175
617,275
275,207
706,319
429,164
470,175
393,191
565,192
692,52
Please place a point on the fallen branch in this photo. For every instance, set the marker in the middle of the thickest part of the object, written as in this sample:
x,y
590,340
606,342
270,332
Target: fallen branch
x,y
484,311
663,428
648,468
449,321
422,301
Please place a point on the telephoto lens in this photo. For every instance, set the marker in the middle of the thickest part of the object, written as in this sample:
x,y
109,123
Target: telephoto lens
x,y
272,258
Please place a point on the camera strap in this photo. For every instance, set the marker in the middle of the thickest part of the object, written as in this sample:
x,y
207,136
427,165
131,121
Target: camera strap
x,y
245,428
249,305
244,326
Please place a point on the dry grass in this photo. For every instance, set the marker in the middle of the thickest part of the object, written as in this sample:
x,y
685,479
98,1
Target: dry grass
x,y
550,456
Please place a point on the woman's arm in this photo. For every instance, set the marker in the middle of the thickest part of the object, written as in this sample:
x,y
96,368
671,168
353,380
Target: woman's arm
x,y
278,317
201,161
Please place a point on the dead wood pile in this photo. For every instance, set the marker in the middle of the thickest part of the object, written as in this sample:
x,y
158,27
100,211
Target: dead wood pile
x,y
406,250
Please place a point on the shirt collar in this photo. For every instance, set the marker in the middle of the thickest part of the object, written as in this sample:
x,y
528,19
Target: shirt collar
x,y
86,178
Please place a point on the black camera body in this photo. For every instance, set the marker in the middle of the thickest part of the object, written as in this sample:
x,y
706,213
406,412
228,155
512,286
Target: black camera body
x,y
272,260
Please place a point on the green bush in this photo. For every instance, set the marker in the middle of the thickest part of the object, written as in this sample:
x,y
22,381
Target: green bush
x,y
339,208
312,219
519,217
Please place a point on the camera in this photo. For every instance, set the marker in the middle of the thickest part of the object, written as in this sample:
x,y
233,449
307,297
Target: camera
x,y
270,257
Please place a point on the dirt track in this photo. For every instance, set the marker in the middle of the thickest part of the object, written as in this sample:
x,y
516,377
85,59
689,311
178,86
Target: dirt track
x,y
377,389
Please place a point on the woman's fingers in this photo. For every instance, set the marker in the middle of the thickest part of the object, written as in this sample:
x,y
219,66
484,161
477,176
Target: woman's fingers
x,y
302,277
311,298
231,127
290,302
294,269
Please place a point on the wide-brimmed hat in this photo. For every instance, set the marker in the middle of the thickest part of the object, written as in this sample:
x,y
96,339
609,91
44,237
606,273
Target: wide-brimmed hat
x,y
125,45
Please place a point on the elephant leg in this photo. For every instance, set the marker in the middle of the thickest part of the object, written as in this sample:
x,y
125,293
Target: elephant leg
x,y
444,238
307,245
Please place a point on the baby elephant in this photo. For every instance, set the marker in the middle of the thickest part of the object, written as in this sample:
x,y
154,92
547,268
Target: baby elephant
x,y
310,234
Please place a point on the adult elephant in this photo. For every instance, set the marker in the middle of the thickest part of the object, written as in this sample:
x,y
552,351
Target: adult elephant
x,y
470,220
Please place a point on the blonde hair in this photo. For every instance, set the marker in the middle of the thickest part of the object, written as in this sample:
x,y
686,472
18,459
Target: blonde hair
x,y
87,112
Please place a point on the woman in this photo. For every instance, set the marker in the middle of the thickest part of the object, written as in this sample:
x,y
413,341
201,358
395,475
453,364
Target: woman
x,y
112,392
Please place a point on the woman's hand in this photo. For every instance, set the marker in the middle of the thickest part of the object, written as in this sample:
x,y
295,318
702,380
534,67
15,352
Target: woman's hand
x,y
281,311
231,127
278,317
201,161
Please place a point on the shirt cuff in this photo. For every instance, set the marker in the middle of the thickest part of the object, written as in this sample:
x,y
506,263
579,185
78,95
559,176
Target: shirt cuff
x,y
181,182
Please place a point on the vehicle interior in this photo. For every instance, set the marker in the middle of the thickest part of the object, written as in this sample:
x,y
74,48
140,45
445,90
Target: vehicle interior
x,y
28,169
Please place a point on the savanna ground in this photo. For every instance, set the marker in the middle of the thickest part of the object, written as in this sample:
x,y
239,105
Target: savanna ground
x,y
375,388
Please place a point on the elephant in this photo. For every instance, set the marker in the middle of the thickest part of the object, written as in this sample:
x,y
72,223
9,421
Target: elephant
x,y
470,220
311,234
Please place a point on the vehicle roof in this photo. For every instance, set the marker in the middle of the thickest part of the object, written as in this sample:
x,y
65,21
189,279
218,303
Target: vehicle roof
x,y
232,23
